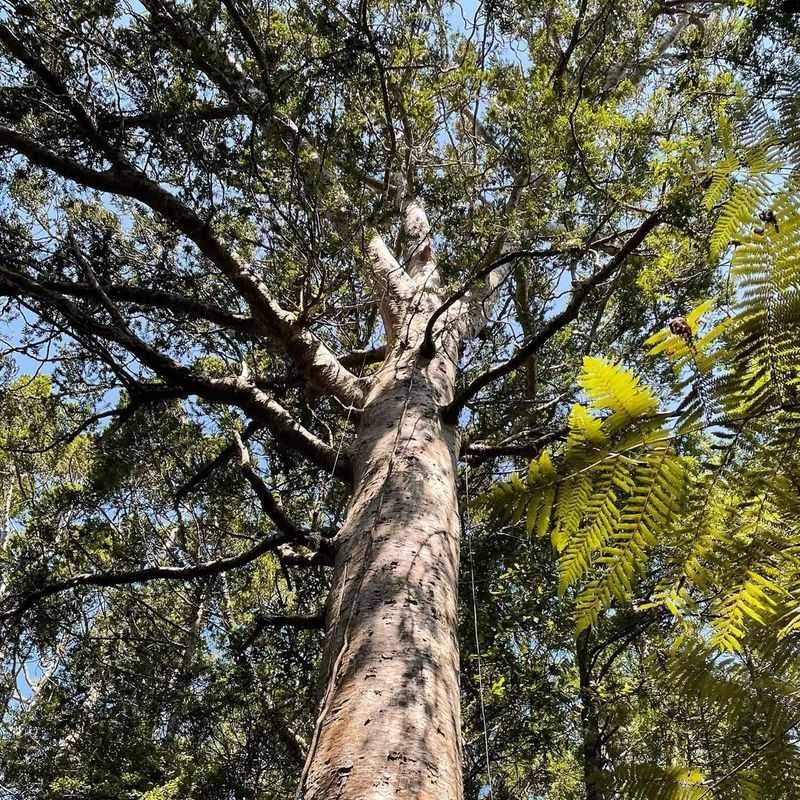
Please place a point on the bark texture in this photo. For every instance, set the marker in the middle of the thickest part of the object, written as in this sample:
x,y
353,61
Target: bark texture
x,y
390,724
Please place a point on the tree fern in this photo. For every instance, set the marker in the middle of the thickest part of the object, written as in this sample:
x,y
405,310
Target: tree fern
x,y
652,782
614,491
731,532
752,700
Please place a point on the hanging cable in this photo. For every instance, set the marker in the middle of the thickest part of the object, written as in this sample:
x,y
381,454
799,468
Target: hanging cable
x,y
466,525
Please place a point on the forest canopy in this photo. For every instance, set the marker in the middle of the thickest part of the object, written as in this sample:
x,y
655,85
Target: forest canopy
x,y
399,400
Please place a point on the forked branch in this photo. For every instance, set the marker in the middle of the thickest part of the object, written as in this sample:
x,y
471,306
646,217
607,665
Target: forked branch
x,y
580,291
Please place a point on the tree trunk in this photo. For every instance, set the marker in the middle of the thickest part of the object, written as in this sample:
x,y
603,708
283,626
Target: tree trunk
x,y
178,685
390,721
590,725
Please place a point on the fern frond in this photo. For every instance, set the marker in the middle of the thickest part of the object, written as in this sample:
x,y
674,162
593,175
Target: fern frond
x,y
585,431
652,782
542,485
585,445
612,387
648,510
707,530
601,516
755,598
745,699
739,213
573,496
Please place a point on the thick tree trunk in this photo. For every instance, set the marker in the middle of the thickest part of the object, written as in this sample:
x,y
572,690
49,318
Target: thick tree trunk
x,y
390,723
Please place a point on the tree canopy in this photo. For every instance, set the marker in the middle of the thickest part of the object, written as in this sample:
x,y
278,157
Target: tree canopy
x,y
210,212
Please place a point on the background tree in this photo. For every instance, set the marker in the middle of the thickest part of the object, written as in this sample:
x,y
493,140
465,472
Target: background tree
x,y
239,234
684,521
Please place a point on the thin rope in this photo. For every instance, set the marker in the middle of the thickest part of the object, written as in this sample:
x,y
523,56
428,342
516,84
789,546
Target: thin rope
x,y
312,748
324,495
467,525
335,668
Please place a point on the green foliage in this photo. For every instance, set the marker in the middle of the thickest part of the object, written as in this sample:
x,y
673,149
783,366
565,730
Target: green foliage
x,y
720,567
651,782
617,487
621,483
743,372
651,532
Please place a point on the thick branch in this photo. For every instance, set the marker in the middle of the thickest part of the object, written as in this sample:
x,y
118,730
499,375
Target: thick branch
x,y
309,622
362,358
234,391
391,283
155,119
311,356
292,558
147,574
484,450
272,509
428,348
313,622
479,302
420,263
165,301
580,290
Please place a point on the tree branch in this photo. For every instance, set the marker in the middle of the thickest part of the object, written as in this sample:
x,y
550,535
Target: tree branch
x,y
580,291
419,261
238,391
652,61
273,510
391,283
57,87
359,358
252,42
312,622
148,574
574,38
225,455
164,301
484,450
155,119
428,349
288,533
245,95
311,356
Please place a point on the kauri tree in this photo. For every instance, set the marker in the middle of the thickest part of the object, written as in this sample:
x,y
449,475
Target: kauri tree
x,y
280,271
